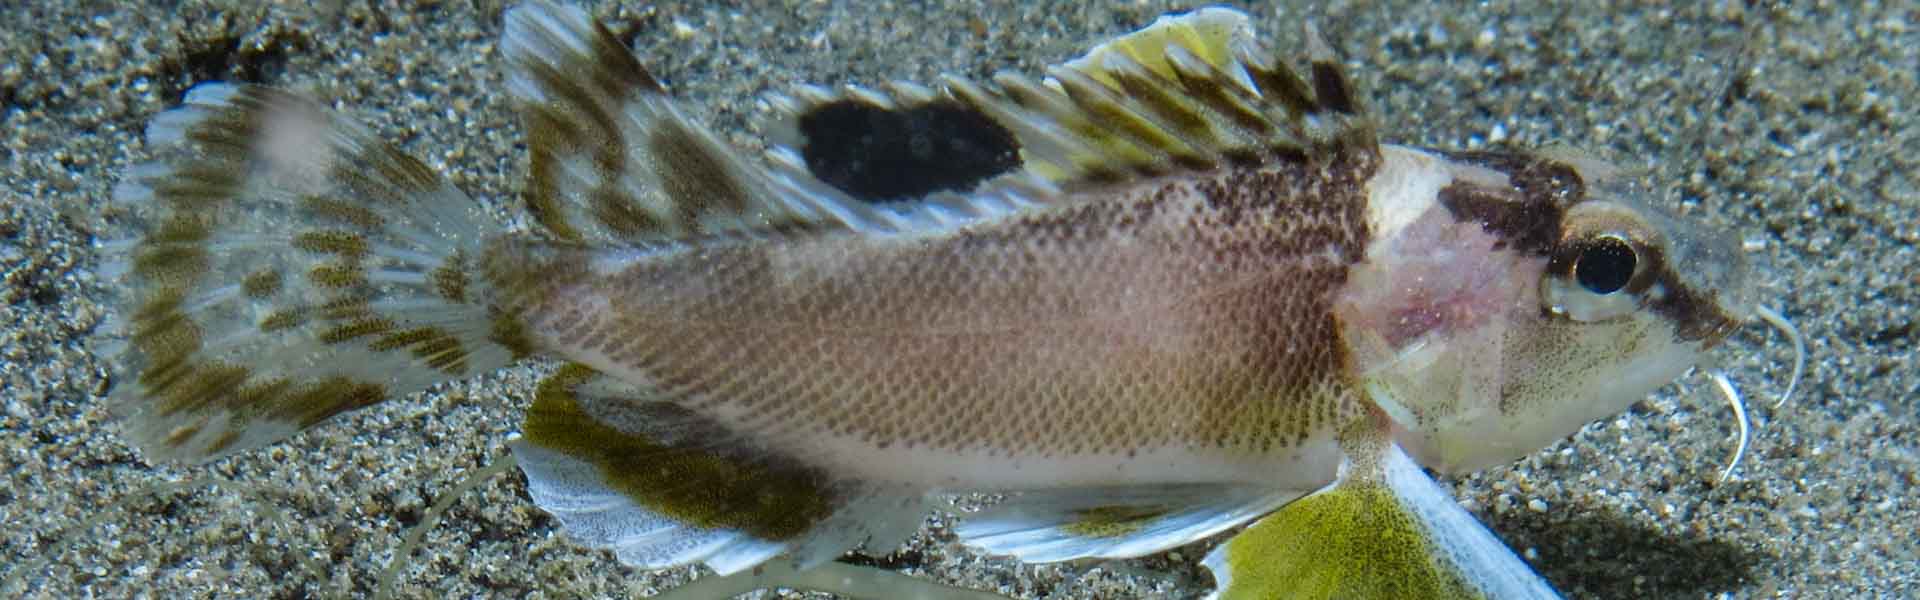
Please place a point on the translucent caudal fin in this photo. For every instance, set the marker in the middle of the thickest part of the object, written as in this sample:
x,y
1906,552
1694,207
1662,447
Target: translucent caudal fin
x,y
284,266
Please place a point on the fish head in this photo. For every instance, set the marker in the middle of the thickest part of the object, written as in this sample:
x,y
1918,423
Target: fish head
x,y
1528,296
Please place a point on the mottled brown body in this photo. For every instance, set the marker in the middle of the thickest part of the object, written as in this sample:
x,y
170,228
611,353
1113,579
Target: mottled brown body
x,y
1190,313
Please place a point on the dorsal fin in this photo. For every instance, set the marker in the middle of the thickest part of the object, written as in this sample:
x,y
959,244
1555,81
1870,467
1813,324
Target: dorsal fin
x,y
1208,34
1191,91
615,160
896,143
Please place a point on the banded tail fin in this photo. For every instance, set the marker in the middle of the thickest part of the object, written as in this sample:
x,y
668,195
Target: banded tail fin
x,y
1384,530
287,267
662,487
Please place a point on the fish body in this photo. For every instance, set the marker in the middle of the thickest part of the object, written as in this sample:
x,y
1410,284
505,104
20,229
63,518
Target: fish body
x,y
1158,332
1169,289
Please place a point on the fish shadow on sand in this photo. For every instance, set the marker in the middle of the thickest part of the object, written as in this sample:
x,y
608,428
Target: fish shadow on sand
x,y
1587,551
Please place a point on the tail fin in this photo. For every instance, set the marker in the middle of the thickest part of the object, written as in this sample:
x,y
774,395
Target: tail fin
x,y
286,267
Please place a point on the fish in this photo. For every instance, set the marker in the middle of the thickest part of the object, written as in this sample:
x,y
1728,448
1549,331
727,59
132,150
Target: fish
x,y
1172,288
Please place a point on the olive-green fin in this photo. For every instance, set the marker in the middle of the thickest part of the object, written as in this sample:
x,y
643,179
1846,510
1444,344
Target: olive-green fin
x,y
280,266
1115,522
1383,531
662,487
1192,91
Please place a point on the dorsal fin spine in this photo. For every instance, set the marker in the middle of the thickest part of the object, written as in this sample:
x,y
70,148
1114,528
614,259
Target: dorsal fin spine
x,y
1151,90
1038,139
1235,101
1125,117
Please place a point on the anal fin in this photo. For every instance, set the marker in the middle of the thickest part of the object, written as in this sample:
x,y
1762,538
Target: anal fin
x,y
662,487
1384,531
1122,522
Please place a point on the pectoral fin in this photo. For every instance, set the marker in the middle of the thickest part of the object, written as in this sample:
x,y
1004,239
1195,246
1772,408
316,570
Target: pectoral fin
x,y
1384,530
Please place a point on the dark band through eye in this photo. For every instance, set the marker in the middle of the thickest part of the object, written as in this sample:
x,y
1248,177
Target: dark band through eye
x,y
1604,265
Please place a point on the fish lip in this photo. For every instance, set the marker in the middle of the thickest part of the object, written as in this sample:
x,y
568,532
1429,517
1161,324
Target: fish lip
x,y
1710,264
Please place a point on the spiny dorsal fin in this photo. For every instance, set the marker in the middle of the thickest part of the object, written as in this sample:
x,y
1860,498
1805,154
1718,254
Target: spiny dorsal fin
x,y
917,159
1207,34
615,160
1191,91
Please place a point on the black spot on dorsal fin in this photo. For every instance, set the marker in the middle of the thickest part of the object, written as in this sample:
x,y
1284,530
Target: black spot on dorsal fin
x,y
881,154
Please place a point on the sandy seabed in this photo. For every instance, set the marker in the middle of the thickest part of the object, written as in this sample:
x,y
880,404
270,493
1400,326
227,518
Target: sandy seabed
x,y
1791,125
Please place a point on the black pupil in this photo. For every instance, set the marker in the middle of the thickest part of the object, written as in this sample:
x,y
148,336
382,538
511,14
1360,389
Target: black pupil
x,y
1605,266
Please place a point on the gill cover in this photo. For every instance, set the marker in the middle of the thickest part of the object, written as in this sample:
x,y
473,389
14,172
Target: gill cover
x,y
1572,301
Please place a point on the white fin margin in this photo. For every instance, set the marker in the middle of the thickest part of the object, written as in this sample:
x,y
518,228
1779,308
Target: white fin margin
x,y
1041,526
573,491
1482,559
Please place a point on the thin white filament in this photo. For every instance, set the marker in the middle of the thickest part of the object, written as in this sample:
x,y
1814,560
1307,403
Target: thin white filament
x,y
1786,328
403,555
1739,405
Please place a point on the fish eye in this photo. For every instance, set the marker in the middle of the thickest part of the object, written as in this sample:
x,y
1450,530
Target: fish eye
x,y
1596,275
1605,265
